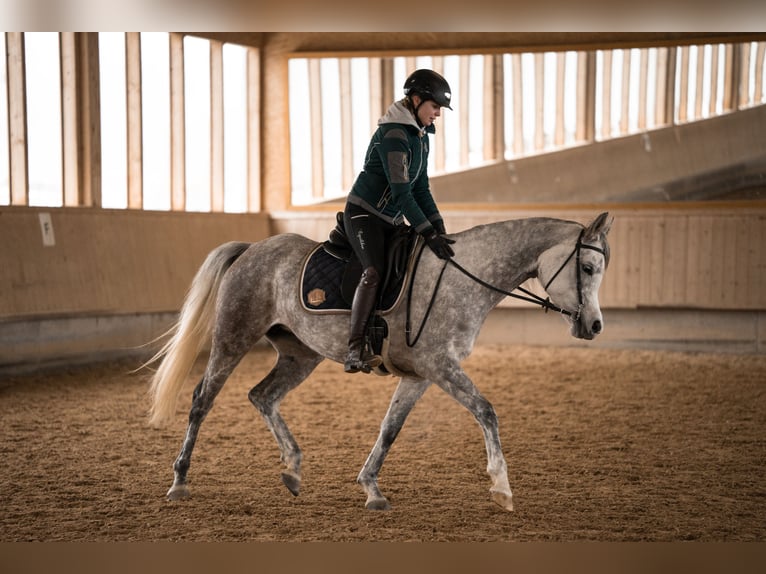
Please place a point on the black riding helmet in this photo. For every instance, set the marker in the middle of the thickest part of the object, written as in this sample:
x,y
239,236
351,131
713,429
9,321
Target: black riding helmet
x,y
429,86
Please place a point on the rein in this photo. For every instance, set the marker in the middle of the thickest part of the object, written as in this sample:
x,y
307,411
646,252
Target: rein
x,y
528,296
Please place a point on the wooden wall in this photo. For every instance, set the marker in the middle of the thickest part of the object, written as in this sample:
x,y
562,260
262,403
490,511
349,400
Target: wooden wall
x,y
107,261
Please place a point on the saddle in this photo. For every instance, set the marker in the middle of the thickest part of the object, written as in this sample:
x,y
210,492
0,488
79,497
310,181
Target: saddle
x,y
333,270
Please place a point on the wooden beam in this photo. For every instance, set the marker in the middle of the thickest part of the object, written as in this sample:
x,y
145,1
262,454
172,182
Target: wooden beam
x,y
559,135
177,124
606,96
643,86
69,120
539,101
135,144
17,118
89,113
626,95
464,107
254,86
518,106
346,123
731,77
317,149
586,96
216,128
494,115
699,82
759,58
714,80
743,64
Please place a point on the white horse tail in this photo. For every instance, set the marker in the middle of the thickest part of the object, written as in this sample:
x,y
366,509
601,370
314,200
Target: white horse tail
x,y
190,333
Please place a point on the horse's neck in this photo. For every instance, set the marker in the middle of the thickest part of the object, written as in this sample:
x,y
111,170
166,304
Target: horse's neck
x,y
507,253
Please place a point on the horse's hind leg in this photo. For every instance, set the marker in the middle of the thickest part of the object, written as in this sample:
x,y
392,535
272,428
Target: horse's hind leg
x,y
294,364
406,395
219,367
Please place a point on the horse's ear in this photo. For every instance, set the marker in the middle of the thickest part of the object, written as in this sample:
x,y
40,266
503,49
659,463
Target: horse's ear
x,y
599,226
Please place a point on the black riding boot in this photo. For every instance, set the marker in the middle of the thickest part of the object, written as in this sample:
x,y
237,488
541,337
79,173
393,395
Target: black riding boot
x,y
361,309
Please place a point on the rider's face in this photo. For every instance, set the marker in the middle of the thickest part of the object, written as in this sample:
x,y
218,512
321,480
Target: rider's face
x,y
428,112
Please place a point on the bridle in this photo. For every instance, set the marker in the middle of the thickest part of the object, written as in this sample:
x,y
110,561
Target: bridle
x,y
528,296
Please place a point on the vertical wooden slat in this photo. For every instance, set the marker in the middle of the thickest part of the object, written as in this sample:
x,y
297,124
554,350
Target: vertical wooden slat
x,y
663,80
217,184
388,92
714,79
731,77
699,82
759,60
539,101
89,114
518,106
643,87
317,150
376,89
69,119
254,86
683,92
744,75
177,124
17,118
440,144
559,134
465,96
494,116
133,87
626,95
346,123
586,96
606,95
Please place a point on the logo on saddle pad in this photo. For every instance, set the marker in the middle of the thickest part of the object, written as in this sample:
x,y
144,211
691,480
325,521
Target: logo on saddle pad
x,y
316,297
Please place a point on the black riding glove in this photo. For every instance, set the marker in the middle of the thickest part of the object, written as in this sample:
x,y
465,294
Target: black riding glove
x,y
440,245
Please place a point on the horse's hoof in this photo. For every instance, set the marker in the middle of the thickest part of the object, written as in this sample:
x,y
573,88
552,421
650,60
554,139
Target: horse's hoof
x,y
502,499
377,504
178,492
292,482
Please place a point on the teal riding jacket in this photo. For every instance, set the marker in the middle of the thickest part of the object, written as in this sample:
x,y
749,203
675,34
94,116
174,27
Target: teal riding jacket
x,y
394,181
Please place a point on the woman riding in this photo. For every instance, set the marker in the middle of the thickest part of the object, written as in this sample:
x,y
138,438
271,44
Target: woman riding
x,y
392,186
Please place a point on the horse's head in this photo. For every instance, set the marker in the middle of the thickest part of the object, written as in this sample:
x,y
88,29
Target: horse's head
x,y
572,273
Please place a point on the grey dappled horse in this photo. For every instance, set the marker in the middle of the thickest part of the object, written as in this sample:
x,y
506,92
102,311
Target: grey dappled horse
x,y
245,291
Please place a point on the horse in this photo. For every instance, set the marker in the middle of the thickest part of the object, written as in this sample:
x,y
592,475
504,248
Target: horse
x,y
244,292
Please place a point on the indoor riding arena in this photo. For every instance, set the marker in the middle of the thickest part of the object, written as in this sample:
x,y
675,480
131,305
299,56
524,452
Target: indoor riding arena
x,y
126,158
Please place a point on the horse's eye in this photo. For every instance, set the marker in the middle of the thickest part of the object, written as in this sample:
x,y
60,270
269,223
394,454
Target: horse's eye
x,y
587,269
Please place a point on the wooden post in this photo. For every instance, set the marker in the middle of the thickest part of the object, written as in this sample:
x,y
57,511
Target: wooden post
x,y
518,106
177,124
69,120
346,123
216,127
317,149
135,144
17,119
254,86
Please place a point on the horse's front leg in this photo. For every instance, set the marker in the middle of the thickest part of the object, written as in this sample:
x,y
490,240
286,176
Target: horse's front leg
x,y
457,384
406,395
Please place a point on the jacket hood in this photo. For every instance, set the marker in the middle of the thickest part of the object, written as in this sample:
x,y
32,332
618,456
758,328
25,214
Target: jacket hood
x,y
398,113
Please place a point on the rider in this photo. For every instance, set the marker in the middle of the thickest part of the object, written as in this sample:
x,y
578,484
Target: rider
x,y
393,185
